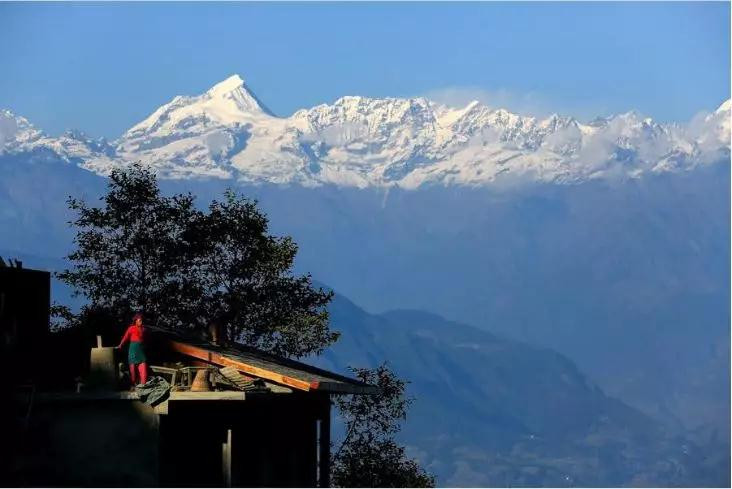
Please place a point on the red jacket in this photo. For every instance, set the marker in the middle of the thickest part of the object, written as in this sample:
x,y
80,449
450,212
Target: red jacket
x,y
134,334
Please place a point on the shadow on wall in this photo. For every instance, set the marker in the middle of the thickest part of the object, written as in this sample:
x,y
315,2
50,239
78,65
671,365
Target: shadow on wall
x,y
89,444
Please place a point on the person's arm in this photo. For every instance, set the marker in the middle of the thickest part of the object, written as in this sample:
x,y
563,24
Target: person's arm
x,y
124,338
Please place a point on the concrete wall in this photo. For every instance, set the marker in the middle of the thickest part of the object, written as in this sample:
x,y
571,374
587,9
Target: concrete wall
x,y
98,443
274,441
124,443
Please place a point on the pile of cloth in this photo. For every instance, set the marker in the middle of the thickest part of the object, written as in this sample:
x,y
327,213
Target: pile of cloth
x,y
154,391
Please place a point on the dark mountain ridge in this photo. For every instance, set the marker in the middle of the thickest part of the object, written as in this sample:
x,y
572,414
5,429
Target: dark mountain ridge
x,y
492,411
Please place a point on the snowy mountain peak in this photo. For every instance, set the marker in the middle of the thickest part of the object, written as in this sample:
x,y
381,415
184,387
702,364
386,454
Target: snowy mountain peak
x,y
226,132
725,107
236,91
229,85
16,131
229,102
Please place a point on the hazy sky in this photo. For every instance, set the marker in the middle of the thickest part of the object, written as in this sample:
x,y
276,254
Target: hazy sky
x,y
101,68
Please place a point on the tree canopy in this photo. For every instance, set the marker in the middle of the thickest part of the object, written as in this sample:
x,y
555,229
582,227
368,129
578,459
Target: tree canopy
x,y
184,267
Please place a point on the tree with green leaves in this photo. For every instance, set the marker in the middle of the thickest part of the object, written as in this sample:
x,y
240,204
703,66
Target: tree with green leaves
x,y
250,289
368,455
184,267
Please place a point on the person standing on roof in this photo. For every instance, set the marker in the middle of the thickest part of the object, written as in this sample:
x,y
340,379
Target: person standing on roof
x,y
136,354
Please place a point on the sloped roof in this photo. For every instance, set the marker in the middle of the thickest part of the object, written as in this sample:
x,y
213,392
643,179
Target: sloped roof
x,y
264,365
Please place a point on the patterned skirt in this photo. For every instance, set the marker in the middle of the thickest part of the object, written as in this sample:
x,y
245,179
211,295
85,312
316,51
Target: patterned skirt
x,y
136,354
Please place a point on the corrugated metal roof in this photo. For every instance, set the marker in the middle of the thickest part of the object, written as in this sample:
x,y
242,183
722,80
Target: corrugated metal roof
x,y
258,363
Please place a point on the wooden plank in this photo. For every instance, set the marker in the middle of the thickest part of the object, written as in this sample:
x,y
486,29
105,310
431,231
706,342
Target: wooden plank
x,y
265,374
227,460
212,357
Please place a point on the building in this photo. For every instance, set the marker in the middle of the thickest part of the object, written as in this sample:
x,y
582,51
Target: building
x,y
25,298
234,416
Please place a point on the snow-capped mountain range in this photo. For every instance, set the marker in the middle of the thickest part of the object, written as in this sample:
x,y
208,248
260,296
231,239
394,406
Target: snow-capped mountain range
x,y
357,141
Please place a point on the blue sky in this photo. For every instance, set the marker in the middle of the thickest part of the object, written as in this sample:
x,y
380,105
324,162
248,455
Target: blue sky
x,y
101,68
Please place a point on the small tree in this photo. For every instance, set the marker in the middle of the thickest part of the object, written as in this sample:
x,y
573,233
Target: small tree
x,y
185,268
368,456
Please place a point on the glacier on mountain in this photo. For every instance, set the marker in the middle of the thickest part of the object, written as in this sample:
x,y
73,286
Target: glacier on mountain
x,y
228,133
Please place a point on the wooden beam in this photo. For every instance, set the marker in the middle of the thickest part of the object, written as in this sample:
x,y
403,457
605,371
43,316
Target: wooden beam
x,y
216,358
